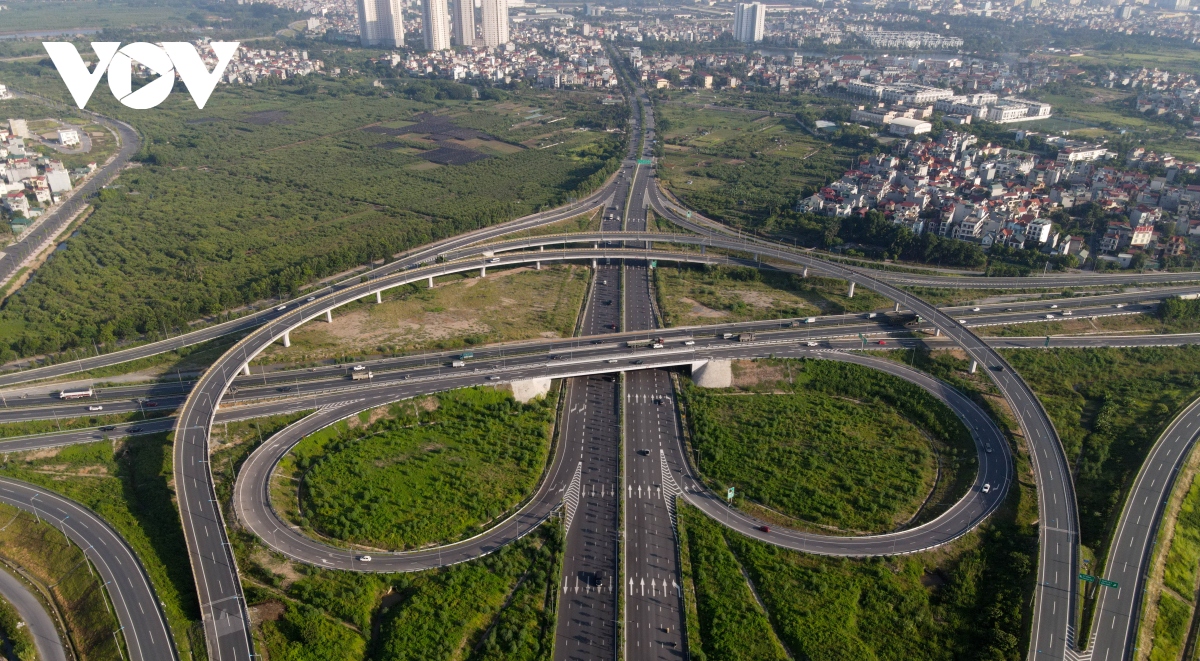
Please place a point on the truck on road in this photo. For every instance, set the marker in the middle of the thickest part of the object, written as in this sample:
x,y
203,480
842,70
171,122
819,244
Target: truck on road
x,y
361,376
745,337
458,363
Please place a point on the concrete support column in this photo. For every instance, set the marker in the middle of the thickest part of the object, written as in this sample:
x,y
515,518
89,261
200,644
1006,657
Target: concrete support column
x,y
596,245
537,266
378,297
702,248
974,366
851,295
542,248
483,271
287,339
329,316
897,308
593,263
431,282
246,369
937,332
805,272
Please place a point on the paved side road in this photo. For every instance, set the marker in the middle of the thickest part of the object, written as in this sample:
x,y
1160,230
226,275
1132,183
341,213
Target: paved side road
x,y
37,620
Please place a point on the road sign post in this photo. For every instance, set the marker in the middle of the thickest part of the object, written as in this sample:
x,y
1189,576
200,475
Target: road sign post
x,y
729,495
1088,578
1106,583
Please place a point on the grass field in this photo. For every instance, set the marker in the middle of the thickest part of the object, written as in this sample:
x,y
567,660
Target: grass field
x,y
740,167
730,624
700,295
1184,555
62,571
23,15
1108,406
271,188
1170,629
501,606
830,445
126,484
508,305
391,479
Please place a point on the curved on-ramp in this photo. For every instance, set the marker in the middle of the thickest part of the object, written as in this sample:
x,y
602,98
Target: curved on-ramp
x,y
252,500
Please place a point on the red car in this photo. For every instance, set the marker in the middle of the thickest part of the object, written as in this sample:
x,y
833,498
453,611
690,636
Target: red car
x,y
883,341
765,528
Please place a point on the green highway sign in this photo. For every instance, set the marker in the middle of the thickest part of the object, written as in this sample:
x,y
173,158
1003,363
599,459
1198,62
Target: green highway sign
x,y
654,263
1047,340
689,214
1087,577
643,161
729,495
1107,583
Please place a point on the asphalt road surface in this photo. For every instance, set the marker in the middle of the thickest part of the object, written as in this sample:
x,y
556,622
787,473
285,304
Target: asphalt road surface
x,y
38,622
134,601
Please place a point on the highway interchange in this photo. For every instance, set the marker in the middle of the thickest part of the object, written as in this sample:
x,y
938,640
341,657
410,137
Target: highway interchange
x,y
653,625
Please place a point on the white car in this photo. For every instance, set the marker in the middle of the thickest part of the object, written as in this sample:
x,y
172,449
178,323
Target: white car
x,y
1054,307
656,345
359,368
987,488
281,308
493,260
95,407
364,558
688,343
1120,305
493,378
612,360
310,299
1068,313
974,309
810,344
962,321
1049,316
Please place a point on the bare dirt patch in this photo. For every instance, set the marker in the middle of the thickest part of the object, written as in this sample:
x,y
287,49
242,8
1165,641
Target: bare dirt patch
x,y
699,310
749,373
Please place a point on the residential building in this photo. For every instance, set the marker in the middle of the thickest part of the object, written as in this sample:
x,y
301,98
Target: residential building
x,y
749,22
436,24
907,126
381,23
68,137
464,22
495,23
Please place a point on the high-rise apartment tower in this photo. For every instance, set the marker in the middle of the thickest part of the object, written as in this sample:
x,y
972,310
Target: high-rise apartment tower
x,y
464,22
749,21
495,22
381,23
437,24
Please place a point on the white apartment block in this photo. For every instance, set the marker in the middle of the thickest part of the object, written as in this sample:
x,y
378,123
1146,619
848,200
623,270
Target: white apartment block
x,y
749,22
464,22
436,17
381,23
495,23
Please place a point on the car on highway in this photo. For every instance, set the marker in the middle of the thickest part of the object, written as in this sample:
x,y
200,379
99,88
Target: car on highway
x,y
108,428
987,447
962,321
644,452
281,308
359,368
638,362
974,309
810,344
765,528
656,345
1008,309
611,361
1049,316
310,299
364,558
284,389
96,407
151,405
1067,313
1054,306
1119,305
987,488
493,260
134,430
882,342
493,378
688,343
598,578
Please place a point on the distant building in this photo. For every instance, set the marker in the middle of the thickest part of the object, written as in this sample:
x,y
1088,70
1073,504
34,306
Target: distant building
x,y
19,128
436,20
68,137
749,22
58,179
495,23
381,23
907,126
464,22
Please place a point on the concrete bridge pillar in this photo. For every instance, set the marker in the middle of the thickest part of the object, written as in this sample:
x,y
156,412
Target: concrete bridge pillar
x,y
897,308
851,295
713,373
246,369
525,390
937,332
974,366
537,266
542,248
593,263
805,272
329,316
483,271
378,297
702,247
287,339
431,282
595,245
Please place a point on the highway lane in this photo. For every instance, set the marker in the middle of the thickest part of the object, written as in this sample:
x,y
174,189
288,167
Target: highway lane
x,y
37,621
1056,594
143,625
1117,615
586,628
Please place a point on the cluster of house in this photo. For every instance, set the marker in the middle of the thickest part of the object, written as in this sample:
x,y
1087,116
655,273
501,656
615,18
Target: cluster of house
x,y
1158,18
957,188
578,61
894,104
28,181
251,65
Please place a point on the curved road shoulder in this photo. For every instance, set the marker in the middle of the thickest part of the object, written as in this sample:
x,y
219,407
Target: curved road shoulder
x,y
39,623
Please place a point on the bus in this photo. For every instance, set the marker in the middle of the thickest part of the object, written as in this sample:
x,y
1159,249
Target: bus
x,y
75,394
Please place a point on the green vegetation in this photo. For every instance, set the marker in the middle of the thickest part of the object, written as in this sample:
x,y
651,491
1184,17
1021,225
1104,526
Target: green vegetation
x,y
11,429
1108,406
62,578
1170,628
833,444
698,295
270,188
501,606
730,624
126,484
16,638
461,311
438,471
1184,556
